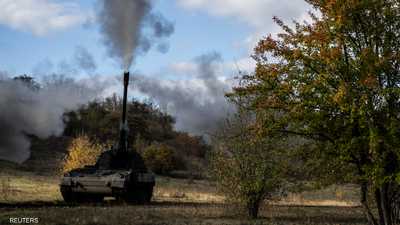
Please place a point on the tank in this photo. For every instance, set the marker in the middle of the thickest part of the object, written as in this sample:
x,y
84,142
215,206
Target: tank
x,y
119,172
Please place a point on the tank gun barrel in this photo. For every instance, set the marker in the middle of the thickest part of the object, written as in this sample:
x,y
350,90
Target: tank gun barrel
x,y
124,129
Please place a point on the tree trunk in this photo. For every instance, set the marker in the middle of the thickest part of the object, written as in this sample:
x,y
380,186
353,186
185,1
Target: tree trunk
x,y
395,202
379,206
385,205
364,203
253,208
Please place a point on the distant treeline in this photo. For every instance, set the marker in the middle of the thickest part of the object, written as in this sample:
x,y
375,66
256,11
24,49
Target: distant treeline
x,y
148,125
149,129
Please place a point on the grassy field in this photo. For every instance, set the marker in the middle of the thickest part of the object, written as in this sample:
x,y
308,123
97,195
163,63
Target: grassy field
x,y
176,201
181,213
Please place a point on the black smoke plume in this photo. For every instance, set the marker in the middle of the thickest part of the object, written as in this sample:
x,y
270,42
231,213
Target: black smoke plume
x,y
129,27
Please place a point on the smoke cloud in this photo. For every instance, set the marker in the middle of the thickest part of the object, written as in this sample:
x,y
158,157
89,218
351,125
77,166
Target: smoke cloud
x,y
28,110
82,61
85,60
43,67
129,28
198,104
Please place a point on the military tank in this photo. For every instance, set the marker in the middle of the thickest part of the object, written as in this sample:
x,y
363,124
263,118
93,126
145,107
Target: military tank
x,y
119,172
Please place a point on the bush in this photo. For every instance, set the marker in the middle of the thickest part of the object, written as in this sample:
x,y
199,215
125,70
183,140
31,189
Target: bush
x,y
81,152
246,168
190,152
159,158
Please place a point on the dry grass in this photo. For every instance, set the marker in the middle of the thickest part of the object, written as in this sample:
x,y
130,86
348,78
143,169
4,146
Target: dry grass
x,y
25,187
177,201
182,213
182,190
29,188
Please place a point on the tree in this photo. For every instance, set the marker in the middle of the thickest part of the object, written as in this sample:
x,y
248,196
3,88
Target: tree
x,y
81,152
336,80
28,81
159,158
246,168
100,119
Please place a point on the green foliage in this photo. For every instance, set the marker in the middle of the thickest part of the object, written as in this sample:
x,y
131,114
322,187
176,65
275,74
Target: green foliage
x,y
247,168
159,158
100,119
336,81
190,153
189,145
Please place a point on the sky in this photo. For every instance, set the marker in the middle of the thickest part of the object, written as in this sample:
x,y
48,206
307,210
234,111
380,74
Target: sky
x,y
212,41
37,36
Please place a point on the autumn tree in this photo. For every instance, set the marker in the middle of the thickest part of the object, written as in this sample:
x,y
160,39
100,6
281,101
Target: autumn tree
x,y
160,158
336,80
246,168
148,125
81,152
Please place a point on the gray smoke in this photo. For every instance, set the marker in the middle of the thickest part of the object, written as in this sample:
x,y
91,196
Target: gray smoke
x,y
44,67
66,68
81,61
130,28
198,105
3,74
25,110
85,60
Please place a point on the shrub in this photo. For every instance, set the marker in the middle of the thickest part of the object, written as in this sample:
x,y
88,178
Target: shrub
x,y
246,168
159,158
81,152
